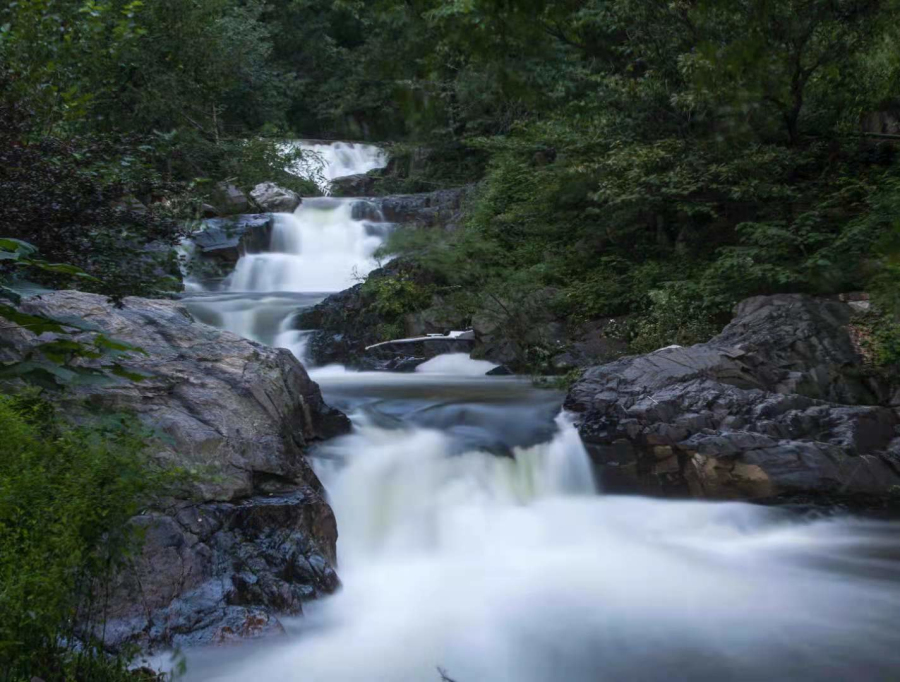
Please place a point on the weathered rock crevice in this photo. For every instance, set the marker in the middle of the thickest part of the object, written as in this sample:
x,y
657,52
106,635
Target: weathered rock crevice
x,y
778,403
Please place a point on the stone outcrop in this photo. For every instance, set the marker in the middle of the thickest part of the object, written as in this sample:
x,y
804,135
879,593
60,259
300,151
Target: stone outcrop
x,y
254,537
274,199
225,239
358,185
440,208
343,325
222,241
779,403
229,200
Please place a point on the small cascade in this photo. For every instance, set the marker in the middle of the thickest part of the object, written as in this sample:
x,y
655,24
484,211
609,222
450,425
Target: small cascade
x,y
319,248
401,491
325,246
339,159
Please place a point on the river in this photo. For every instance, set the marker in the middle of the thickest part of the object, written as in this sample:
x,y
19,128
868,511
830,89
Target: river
x,y
474,543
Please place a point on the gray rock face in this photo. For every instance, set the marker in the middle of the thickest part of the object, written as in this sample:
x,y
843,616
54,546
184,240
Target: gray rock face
x,y
440,208
229,200
778,403
227,238
215,572
359,185
274,199
256,538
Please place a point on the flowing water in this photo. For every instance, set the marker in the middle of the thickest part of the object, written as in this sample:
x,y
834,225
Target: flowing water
x,y
473,538
338,159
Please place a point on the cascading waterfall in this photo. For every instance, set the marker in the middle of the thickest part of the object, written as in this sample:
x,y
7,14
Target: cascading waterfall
x,y
472,537
319,248
339,159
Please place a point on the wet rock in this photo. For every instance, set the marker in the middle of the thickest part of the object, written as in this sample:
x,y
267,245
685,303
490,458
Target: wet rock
x,y
499,371
440,208
274,199
777,403
226,239
359,185
216,572
344,324
256,536
406,355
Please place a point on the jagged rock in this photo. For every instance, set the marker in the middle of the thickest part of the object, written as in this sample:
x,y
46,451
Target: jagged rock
x,y
227,238
229,200
358,185
219,571
777,403
440,208
256,537
274,199
345,323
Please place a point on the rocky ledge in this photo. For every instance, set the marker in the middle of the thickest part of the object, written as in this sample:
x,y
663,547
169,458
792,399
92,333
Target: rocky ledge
x,y
780,403
254,537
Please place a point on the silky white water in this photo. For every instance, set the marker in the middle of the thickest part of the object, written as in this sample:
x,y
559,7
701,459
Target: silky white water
x,y
339,159
320,248
515,570
473,537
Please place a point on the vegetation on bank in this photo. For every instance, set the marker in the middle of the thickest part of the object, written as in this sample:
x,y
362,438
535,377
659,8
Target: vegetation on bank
x,y
649,161
66,495
644,160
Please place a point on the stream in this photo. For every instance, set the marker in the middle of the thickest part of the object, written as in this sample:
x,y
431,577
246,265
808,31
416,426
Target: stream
x,y
474,543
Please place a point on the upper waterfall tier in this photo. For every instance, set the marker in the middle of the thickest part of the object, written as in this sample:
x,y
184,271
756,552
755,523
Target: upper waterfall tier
x,y
339,159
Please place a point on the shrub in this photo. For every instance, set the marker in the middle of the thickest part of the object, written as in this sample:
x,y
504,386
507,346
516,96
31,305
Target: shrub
x,y
66,496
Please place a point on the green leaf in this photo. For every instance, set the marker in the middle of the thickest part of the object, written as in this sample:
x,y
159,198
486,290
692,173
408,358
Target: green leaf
x,y
107,343
17,246
120,371
10,294
34,323
62,350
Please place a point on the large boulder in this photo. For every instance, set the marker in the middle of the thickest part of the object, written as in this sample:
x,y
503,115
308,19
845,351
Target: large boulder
x,y
226,239
344,324
779,403
229,200
274,199
358,185
442,208
255,536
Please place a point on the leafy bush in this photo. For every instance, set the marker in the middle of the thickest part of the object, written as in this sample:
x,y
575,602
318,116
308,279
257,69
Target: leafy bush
x,y
677,315
393,297
66,495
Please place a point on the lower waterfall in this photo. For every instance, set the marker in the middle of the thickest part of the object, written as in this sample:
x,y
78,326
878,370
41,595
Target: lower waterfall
x,y
474,544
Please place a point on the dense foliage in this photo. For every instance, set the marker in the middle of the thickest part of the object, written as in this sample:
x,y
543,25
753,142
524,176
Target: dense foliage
x,y
664,160
66,495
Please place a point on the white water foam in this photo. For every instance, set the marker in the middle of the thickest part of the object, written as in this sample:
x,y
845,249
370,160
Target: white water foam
x,y
340,159
319,248
511,570
456,364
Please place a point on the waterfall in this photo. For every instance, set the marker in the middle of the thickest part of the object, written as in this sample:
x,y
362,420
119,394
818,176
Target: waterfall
x,y
472,538
322,247
338,159
512,569
318,248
